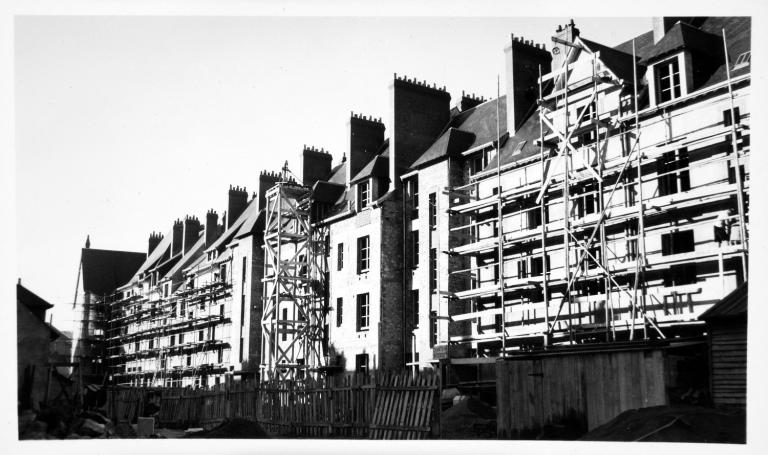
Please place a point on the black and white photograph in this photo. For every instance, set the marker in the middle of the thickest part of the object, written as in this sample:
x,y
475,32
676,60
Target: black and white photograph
x,y
303,223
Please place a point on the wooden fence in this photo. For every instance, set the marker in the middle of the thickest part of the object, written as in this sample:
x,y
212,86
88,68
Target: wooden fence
x,y
381,405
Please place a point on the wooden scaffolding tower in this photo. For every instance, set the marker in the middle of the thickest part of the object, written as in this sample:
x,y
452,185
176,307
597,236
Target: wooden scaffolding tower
x,y
294,310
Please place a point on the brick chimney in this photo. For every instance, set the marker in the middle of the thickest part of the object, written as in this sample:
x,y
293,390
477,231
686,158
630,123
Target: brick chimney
x,y
315,165
567,33
523,58
211,227
154,240
178,237
418,114
366,134
468,101
192,229
266,181
238,201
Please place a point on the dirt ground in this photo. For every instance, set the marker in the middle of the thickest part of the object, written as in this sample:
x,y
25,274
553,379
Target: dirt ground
x,y
674,424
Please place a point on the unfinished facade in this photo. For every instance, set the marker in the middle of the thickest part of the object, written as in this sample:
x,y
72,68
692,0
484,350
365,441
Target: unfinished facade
x,y
615,211
189,317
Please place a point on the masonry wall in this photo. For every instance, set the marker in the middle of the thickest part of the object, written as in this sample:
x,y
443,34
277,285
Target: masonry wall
x,y
346,284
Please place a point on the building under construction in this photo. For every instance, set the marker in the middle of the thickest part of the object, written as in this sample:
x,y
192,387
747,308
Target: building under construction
x,y
601,197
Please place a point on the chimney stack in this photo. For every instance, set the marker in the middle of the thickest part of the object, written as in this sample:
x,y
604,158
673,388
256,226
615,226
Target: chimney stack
x,y
266,181
418,114
366,134
522,66
468,101
154,240
211,227
178,237
567,33
191,232
238,200
315,165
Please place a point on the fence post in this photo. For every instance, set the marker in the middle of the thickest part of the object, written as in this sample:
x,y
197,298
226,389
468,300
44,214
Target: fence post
x,y
227,398
439,401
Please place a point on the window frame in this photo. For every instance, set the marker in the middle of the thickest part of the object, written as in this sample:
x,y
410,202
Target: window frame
x,y
363,194
668,72
363,304
432,211
363,260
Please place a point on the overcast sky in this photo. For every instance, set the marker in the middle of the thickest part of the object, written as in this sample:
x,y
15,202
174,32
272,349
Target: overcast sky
x,y
124,124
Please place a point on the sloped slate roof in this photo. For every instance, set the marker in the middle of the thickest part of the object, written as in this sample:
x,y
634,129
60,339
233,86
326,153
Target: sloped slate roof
x,y
732,306
682,35
467,129
106,270
738,33
195,251
643,45
36,304
377,167
327,192
251,225
617,61
481,121
251,210
339,174
451,143
154,256
528,132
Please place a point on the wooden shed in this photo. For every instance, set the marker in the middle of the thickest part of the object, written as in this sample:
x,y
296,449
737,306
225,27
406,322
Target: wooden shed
x,y
564,392
727,328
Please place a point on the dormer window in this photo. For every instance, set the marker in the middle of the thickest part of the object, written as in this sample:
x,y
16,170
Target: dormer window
x,y
668,85
363,194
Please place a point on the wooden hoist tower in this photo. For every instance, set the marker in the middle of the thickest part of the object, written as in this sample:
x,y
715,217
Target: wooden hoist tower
x,y
294,303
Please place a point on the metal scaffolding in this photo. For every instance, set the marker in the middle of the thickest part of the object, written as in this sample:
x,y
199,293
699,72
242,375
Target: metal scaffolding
x,y
295,301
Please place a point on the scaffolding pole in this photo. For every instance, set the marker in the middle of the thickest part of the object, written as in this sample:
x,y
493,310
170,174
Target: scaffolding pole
x,y
543,214
737,163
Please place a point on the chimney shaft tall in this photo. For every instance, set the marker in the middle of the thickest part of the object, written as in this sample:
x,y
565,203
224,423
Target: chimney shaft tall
x,y
211,227
154,240
315,165
418,113
238,200
366,135
178,238
523,59
560,51
191,232
266,181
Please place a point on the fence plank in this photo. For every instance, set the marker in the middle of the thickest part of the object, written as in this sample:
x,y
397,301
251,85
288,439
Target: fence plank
x,y
379,405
